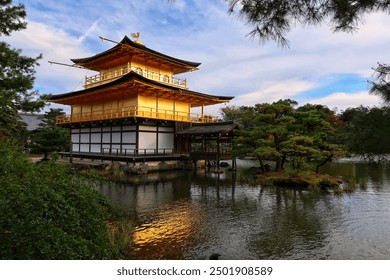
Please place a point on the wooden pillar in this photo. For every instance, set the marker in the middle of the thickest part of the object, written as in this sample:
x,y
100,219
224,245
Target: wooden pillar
x,y
234,160
137,138
174,106
71,152
157,136
157,105
218,150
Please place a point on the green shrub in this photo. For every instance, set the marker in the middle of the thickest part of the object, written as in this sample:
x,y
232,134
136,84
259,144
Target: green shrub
x,y
351,185
362,183
326,184
49,213
292,172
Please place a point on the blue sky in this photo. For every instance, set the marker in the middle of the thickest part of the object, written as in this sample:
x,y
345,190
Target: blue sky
x,y
320,67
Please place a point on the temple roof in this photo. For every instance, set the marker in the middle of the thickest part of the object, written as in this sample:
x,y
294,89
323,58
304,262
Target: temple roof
x,y
134,84
120,53
210,128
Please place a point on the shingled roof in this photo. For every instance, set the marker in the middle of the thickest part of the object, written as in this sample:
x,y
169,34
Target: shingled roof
x,y
121,86
210,128
138,49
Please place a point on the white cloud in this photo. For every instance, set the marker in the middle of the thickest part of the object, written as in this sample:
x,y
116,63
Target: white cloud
x,y
274,91
342,100
55,45
201,30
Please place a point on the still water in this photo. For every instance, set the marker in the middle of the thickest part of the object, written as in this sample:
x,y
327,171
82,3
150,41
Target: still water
x,y
194,214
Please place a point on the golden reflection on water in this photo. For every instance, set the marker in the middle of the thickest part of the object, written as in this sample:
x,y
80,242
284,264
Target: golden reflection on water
x,y
168,231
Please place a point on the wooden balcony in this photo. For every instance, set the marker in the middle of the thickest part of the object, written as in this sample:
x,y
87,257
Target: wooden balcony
x,y
106,77
136,111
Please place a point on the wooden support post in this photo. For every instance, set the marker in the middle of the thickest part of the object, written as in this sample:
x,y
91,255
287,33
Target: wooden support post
x,y
71,153
218,152
202,120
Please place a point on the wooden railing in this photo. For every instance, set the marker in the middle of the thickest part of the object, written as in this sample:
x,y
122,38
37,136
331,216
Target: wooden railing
x,y
136,152
120,71
135,111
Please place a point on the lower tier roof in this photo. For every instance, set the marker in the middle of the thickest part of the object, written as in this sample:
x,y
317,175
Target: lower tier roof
x,y
133,84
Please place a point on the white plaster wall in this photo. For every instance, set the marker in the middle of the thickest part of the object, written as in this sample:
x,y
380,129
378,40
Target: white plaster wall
x,y
76,148
95,129
84,138
128,137
106,137
84,147
96,138
165,140
147,128
168,129
129,127
75,138
95,148
116,137
147,140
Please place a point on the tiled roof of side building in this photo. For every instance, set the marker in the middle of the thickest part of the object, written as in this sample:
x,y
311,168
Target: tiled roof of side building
x,y
210,128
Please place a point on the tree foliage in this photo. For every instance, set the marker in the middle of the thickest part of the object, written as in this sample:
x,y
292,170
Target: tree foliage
x,y
50,138
273,19
11,17
381,83
47,212
280,132
16,74
367,132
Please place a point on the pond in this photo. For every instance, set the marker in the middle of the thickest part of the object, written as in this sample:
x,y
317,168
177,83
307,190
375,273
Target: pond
x,y
195,214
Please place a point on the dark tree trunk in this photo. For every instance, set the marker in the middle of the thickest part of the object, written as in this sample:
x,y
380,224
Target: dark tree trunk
x,y
262,165
278,164
322,163
284,157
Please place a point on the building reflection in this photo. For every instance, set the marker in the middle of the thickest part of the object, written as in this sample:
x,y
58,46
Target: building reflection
x,y
168,231
190,215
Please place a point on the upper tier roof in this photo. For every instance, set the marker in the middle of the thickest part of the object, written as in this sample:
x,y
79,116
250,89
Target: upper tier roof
x,y
123,51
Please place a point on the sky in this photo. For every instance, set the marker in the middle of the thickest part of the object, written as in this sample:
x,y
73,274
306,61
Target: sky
x,y
319,67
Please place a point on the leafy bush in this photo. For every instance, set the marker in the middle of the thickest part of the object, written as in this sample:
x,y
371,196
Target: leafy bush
x,y
49,213
292,172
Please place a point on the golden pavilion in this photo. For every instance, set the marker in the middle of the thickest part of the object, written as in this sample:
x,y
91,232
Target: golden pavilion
x,y
134,104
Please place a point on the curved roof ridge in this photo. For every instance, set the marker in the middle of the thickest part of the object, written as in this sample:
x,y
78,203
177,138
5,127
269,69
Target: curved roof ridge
x,y
128,42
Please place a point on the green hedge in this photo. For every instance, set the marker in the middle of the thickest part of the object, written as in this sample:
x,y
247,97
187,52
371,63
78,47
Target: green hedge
x,y
47,212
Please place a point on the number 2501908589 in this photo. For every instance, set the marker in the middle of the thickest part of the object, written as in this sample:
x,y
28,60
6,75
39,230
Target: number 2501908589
x,y
223,270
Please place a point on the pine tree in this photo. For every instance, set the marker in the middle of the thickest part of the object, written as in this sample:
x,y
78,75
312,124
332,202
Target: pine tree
x,y
50,138
16,75
273,19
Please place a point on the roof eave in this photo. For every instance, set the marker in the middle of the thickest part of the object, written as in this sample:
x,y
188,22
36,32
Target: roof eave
x,y
126,41
133,75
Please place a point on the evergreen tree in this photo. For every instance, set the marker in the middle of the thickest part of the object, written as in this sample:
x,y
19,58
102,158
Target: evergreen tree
x,y
50,138
278,132
315,137
381,83
16,75
273,19
367,132
266,127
